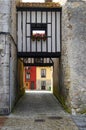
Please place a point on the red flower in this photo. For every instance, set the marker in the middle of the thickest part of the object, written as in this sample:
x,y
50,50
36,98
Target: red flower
x,y
39,36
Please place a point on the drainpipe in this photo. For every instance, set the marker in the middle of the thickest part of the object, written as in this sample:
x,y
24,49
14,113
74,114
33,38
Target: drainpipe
x,y
9,76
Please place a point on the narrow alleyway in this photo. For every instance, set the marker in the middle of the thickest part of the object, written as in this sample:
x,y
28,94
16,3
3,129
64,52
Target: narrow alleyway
x,y
38,111
33,104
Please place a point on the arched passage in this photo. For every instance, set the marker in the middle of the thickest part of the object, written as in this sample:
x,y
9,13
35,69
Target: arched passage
x,y
38,72
38,100
39,35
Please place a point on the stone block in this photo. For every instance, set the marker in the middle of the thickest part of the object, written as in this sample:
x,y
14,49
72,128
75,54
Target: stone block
x,y
4,8
74,51
4,27
4,100
4,111
4,18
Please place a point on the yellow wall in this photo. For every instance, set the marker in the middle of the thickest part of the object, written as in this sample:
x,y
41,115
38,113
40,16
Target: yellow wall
x,y
20,77
48,78
48,72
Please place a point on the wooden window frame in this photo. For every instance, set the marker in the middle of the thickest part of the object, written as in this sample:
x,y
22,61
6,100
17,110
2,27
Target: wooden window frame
x,y
43,73
28,75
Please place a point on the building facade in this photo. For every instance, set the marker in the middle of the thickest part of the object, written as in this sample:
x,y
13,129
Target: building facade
x,y
30,78
38,78
44,80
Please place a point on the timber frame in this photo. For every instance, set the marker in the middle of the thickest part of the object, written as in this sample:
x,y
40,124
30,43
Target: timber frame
x,y
48,52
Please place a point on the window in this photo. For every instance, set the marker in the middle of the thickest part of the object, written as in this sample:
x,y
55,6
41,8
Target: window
x,y
32,85
43,73
39,60
38,31
41,32
43,85
27,76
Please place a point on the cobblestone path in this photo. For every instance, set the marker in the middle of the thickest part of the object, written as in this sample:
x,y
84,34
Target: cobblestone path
x,y
38,111
80,121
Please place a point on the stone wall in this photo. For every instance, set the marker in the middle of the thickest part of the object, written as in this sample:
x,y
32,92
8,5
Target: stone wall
x,y
5,15
13,73
8,61
8,57
73,63
4,76
13,20
56,77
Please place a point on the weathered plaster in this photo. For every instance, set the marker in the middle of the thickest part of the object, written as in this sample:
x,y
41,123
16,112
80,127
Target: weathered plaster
x,y
73,54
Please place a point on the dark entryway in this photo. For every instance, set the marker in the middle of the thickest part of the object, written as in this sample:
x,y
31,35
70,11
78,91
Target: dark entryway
x,y
32,85
43,85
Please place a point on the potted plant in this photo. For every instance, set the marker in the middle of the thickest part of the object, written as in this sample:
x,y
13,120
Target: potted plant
x,y
44,37
38,37
33,37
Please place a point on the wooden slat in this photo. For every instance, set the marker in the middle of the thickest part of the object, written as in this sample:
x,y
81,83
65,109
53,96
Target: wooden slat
x,y
19,32
58,31
44,46
49,17
33,46
24,32
33,17
52,20
28,44
39,46
49,44
28,30
38,17
53,31
28,16
49,30
44,17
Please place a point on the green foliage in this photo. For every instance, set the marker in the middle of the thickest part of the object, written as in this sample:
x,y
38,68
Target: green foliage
x,y
62,101
49,88
83,111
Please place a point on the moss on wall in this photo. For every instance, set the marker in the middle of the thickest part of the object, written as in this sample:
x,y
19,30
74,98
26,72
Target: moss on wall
x,y
83,111
62,101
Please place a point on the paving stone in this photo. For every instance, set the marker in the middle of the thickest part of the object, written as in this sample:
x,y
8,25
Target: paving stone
x,y
80,121
39,111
